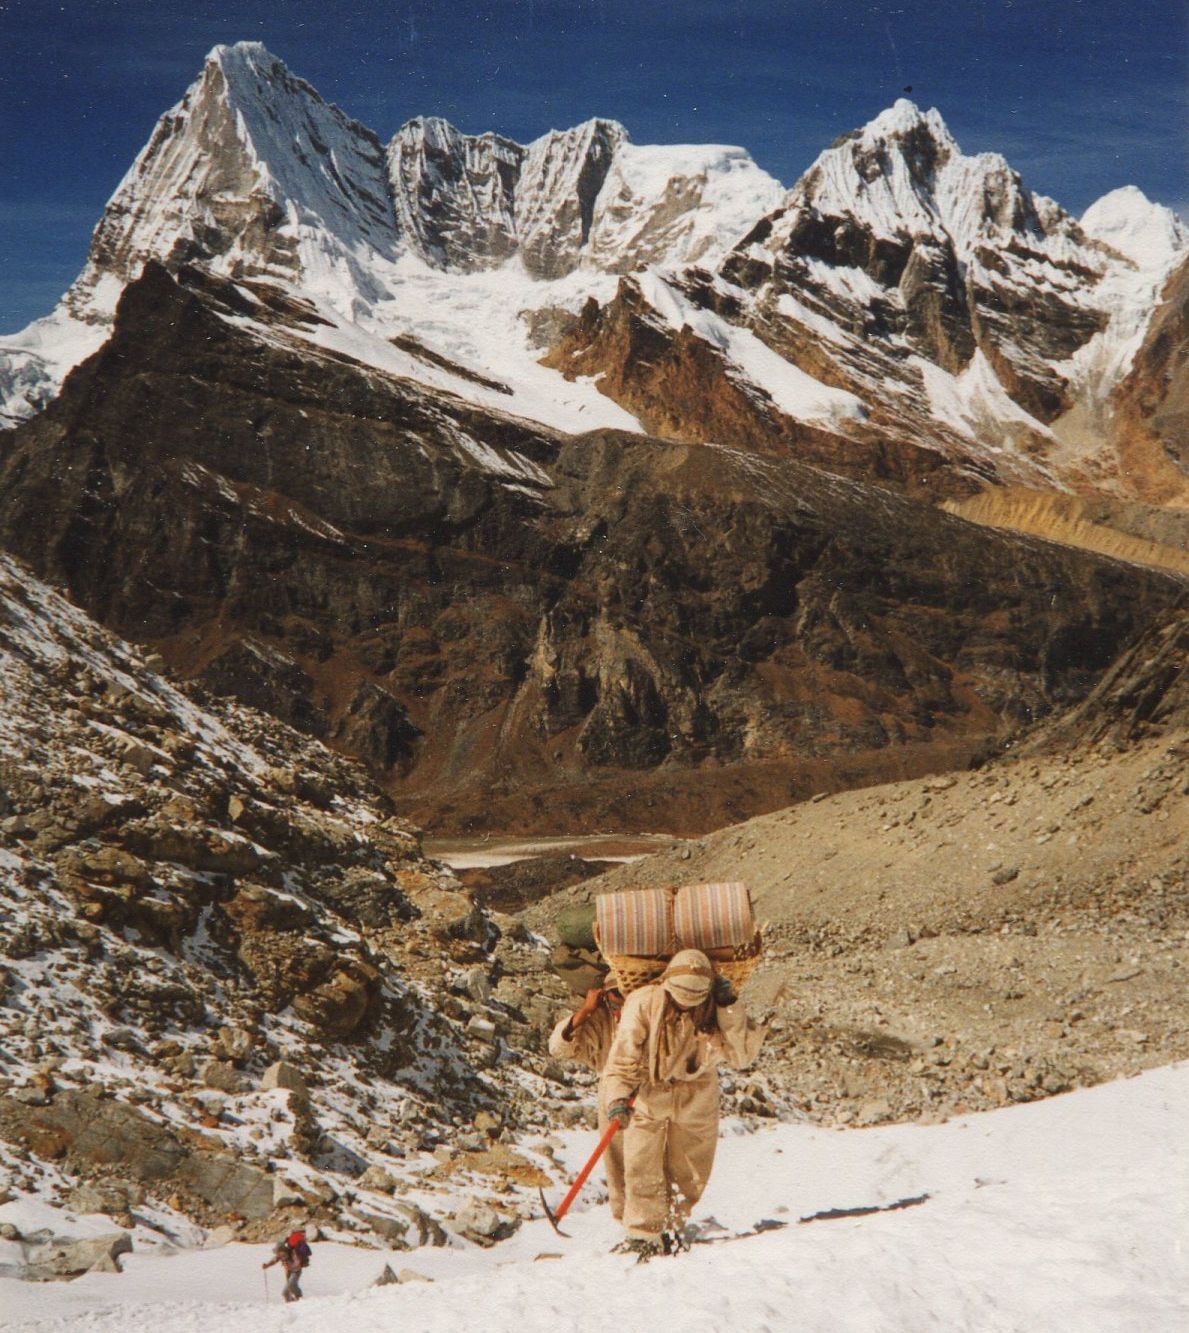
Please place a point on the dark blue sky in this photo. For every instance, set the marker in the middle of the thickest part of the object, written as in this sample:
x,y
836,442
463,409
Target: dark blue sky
x,y
1080,95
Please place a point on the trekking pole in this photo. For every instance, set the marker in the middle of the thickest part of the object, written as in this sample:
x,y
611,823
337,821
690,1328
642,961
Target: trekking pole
x,y
264,1275
554,1218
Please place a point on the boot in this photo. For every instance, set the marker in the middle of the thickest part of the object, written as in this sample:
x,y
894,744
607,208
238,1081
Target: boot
x,y
674,1241
643,1247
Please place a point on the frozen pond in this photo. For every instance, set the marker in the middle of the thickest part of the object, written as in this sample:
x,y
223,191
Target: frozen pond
x,y
473,853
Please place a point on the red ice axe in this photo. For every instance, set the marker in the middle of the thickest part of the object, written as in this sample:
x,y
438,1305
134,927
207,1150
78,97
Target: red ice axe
x,y
554,1218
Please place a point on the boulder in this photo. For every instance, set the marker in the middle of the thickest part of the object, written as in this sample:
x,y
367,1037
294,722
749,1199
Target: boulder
x,y
286,1195
104,1196
429,1230
486,1122
482,1224
339,1007
483,1029
388,1228
234,1044
104,865
69,1258
369,897
283,1075
376,1178
223,1076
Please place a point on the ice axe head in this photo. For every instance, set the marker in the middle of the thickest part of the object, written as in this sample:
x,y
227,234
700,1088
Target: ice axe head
x,y
549,1213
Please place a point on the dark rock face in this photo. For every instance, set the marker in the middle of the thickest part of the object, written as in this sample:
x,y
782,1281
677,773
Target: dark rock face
x,y
492,614
1144,694
936,306
377,729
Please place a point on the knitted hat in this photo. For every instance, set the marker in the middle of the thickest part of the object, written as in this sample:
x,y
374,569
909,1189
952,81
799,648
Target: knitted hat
x,y
688,978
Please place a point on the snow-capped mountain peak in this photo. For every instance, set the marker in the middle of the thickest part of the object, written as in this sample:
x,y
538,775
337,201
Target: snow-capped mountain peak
x,y
454,193
1147,233
560,182
903,174
583,197
903,120
249,164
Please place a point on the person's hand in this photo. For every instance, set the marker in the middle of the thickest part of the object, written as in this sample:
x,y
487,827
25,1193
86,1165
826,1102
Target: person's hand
x,y
724,992
620,1112
589,1005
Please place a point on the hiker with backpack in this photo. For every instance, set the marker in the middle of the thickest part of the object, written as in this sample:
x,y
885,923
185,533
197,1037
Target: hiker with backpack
x,y
293,1254
586,1036
661,1085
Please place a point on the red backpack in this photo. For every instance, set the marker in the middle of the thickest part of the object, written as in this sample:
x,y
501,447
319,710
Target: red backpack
x,y
297,1243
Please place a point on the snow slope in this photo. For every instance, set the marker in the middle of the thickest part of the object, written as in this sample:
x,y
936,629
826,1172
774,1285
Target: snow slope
x,y
1152,241
792,390
1067,1214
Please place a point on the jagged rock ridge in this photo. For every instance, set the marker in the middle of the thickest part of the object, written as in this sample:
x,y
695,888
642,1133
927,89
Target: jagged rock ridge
x,y
905,311
980,326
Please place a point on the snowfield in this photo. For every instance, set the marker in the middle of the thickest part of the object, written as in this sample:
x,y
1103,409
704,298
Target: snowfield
x,y
1070,1214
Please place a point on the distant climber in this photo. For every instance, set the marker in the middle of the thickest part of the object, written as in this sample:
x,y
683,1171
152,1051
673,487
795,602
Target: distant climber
x,y
671,1036
586,1036
293,1254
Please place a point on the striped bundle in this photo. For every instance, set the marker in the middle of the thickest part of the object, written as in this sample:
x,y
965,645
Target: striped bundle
x,y
637,922
639,930
713,916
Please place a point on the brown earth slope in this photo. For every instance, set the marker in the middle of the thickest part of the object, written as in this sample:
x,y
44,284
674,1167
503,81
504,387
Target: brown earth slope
x,y
1142,534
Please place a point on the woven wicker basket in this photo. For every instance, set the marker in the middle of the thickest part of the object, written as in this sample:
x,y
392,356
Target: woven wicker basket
x,y
736,964
632,972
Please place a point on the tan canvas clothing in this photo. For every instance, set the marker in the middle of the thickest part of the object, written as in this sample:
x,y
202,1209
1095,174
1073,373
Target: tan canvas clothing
x,y
589,1045
660,1056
